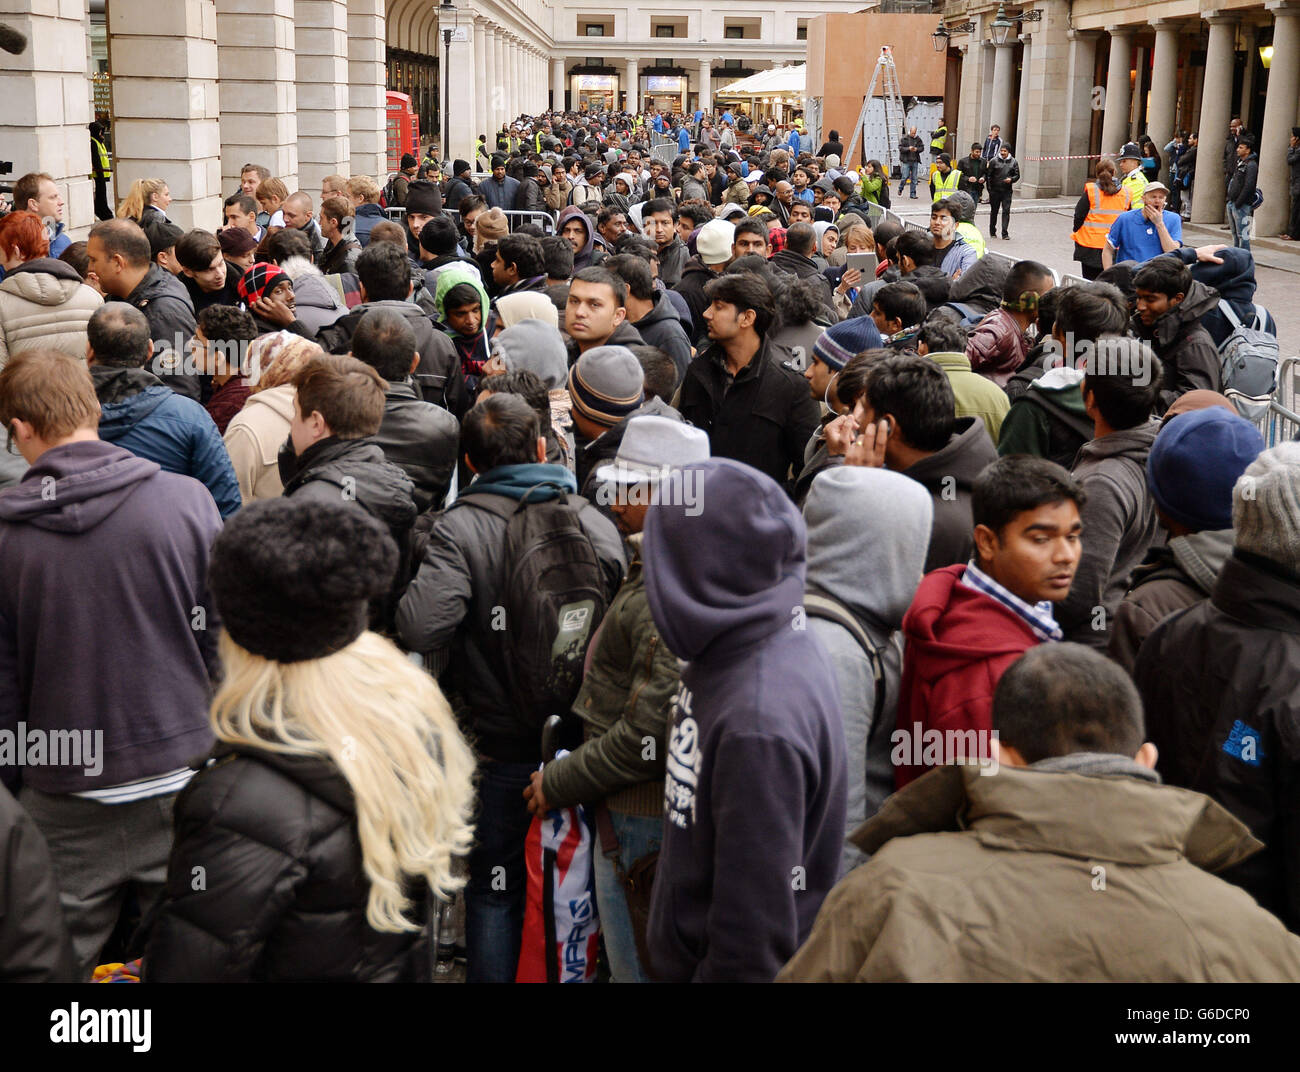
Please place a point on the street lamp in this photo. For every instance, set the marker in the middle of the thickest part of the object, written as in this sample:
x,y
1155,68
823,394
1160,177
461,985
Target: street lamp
x,y
447,22
942,33
1001,27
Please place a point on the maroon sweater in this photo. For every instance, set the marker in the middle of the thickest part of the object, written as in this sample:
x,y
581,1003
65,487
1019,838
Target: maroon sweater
x,y
227,400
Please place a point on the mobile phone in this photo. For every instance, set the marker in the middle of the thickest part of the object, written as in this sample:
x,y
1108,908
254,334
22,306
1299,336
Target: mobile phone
x,y
864,263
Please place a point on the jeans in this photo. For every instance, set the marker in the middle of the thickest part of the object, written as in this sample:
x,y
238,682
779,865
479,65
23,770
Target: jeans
x,y
909,176
495,894
999,199
1239,220
99,852
637,835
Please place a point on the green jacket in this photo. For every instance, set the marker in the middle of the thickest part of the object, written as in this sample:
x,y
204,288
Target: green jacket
x,y
626,701
976,395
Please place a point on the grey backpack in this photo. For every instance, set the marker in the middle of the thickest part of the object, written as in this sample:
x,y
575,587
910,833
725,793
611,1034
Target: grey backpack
x,y
1248,363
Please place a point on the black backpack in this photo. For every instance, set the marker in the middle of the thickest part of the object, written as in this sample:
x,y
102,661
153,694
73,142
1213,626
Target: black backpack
x,y
553,595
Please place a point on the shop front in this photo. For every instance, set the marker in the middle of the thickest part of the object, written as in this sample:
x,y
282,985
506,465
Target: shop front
x,y
663,93
595,92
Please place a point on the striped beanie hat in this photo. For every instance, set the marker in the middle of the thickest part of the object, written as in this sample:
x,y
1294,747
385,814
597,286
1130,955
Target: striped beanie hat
x,y
606,384
846,340
260,280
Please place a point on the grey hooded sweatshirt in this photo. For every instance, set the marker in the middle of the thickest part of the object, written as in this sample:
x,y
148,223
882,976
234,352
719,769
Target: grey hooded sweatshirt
x,y
867,536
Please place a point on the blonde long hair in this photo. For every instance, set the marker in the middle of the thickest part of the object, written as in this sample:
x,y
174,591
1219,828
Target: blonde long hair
x,y
139,198
386,726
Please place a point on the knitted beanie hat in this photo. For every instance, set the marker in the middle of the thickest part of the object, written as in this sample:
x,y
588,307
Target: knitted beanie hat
x,y
491,226
1194,463
606,384
260,280
235,242
845,340
1266,506
459,167
292,579
424,198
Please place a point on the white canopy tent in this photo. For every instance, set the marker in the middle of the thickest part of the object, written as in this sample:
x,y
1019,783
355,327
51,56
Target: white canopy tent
x,y
769,92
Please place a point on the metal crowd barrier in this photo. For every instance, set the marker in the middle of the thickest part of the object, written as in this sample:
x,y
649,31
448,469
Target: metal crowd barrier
x,y
1282,422
514,217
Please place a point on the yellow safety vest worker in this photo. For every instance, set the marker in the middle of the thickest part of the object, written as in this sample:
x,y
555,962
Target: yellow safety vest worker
x,y
946,185
1102,211
938,140
105,167
1135,182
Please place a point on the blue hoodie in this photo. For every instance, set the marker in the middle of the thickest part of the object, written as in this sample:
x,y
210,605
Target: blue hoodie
x,y
755,787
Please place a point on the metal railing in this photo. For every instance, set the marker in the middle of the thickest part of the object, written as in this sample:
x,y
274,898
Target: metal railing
x,y
1282,422
516,218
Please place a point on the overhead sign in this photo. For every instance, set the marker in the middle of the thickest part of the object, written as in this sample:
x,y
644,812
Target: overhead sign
x,y
595,81
663,83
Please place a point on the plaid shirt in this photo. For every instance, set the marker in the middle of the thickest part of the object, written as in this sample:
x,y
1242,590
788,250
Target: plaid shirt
x,y
1038,617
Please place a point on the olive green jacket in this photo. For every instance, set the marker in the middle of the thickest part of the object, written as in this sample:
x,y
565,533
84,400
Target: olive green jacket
x,y
625,701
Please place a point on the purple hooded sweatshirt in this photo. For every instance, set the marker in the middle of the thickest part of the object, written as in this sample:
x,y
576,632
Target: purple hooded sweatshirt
x,y
754,798
105,624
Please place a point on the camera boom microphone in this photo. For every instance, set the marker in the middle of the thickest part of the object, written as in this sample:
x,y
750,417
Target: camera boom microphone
x,y
11,40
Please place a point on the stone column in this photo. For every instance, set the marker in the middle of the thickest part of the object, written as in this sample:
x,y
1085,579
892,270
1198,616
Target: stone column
x,y
1250,42
706,85
324,131
492,88
966,123
1279,117
632,98
167,113
1164,90
47,106
557,85
1208,187
482,82
367,81
503,79
1115,124
461,128
1080,104
1044,99
1004,78
259,110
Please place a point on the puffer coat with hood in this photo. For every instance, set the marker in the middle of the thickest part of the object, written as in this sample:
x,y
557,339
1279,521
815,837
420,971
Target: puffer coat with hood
x,y
1190,358
44,303
474,350
755,769
287,825
865,549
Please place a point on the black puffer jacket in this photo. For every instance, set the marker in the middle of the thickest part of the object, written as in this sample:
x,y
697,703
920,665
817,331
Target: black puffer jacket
x,y
1191,361
661,327
421,438
438,376
33,940
763,419
284,895
1221,686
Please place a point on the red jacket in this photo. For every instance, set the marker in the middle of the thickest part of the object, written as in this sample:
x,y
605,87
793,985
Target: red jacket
x,y
959,642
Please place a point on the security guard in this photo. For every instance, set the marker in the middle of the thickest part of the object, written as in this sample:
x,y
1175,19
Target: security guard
x,y
938,140
1135,180
1103,209
101,171
946,179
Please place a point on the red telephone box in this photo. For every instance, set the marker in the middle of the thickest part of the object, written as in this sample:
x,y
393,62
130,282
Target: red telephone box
x,y
403,130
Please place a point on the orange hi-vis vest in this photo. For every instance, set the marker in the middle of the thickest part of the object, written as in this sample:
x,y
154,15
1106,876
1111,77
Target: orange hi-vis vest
x,y
1102,212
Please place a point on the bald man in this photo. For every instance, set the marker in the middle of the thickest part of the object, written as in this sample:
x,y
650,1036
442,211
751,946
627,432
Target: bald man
x,y
298,212
783,193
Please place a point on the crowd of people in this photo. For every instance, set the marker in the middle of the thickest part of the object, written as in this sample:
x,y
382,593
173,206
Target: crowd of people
x,y
906,615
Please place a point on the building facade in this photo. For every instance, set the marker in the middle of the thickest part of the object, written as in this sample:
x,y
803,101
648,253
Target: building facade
x,y
1089,75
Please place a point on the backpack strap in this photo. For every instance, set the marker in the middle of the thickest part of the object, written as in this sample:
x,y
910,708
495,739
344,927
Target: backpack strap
x,y
1230,315
830,609
1261,318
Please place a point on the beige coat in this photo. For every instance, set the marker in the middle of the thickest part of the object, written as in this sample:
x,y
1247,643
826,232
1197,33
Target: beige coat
x,y
254,438
44,303
1036,876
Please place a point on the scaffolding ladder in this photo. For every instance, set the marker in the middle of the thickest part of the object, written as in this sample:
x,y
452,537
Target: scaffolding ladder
x,y
895,116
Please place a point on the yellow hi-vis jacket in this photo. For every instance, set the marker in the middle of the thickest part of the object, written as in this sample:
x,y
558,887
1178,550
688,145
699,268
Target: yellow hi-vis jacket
x,y
1135,182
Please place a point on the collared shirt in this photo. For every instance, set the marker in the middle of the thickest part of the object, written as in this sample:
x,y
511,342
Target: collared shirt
x,y
1038,616
1133,237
